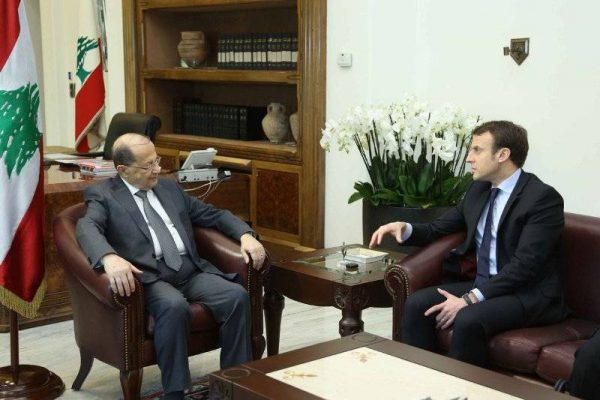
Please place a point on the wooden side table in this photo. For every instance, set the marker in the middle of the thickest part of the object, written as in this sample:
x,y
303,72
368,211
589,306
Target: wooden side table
x,y
312,278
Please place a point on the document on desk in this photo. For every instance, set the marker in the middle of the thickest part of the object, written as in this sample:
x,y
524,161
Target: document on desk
x,y
63,158
353,375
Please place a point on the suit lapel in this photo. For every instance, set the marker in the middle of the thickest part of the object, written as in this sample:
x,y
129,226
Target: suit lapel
x,y
516,193
476,210
124,197
173,212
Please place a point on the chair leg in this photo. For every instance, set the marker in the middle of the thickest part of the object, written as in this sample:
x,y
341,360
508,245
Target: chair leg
x,y
131,383
84,369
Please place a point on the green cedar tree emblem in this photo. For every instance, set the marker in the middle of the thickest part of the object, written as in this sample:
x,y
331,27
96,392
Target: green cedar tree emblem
x,y
84,44
19,135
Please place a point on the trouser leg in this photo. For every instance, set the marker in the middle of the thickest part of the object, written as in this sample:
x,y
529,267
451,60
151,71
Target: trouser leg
x,y
476,324
585,377
230,306
171,314
418,330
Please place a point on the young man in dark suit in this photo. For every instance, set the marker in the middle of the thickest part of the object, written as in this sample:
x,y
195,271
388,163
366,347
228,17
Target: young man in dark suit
x,y
516,239
140,224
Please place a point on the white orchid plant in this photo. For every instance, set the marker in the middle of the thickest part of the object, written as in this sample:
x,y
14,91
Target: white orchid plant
x,y
415,157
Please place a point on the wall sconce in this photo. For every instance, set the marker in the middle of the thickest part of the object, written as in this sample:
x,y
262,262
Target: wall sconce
x,y
519,49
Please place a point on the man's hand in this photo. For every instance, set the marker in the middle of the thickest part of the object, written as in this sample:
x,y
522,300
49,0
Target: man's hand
x,y
393,228
252,248
447,310
120,274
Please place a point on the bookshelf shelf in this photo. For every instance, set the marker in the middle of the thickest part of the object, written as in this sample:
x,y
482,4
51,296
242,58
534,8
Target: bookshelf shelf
x,y
215,5
260,149
224,76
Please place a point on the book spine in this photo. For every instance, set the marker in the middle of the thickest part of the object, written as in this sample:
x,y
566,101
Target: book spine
x,y
247,38
287,51
271,51
230,51
294,51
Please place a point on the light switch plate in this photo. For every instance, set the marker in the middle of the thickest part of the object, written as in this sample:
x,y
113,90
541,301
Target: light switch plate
x,y
344,60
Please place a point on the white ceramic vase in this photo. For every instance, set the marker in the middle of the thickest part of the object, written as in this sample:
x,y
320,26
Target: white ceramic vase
x,y
275,124
294,126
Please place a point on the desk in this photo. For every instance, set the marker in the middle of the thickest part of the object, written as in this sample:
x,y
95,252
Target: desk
x,y
252,381
292,276
63,187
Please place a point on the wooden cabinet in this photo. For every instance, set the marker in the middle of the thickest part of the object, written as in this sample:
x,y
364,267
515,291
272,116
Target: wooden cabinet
x,y
286,191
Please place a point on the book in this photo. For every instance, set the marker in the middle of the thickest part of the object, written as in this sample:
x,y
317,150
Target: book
x,y
363,255
97,167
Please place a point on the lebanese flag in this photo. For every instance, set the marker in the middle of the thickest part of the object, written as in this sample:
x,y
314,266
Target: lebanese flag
x,y
22,284
89,100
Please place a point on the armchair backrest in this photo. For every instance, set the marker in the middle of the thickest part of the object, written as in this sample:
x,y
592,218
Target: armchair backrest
x,y
122,123
580,265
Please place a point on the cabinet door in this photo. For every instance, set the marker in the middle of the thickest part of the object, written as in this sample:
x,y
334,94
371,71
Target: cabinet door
x,y
275,200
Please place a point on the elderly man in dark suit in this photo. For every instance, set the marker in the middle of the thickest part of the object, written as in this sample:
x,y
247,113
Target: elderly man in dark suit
x,y
140,224
513,221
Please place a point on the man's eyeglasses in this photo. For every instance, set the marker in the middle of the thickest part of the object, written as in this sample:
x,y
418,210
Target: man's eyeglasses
x,y
149,166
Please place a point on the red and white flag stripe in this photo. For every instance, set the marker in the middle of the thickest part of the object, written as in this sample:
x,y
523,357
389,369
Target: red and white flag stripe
x,y
22,284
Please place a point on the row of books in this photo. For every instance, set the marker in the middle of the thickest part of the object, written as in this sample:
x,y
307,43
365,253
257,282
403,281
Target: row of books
x,y
191,116
275,51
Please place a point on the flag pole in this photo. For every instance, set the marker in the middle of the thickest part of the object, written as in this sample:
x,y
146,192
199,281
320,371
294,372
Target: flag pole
x,y
14,345
29,382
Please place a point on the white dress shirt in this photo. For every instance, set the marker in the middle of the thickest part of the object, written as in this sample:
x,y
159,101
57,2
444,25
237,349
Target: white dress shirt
x,y
155,203
505,189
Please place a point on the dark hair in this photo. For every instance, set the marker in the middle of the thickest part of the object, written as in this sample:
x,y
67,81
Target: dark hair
x,y
509,135
122,155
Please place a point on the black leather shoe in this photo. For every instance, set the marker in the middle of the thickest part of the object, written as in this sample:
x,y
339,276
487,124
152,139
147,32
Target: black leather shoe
x,y
561,385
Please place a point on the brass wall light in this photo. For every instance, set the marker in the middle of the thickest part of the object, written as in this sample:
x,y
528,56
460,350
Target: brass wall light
x,y
518,50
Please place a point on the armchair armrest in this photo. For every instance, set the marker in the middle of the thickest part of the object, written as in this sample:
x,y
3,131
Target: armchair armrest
x,y
223,252
416,271
76,264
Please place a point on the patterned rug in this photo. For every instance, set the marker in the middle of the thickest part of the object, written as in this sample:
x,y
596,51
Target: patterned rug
x,y
199,390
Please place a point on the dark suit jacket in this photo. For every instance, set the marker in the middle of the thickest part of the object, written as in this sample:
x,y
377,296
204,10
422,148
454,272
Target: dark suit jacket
x,y
113,223
527,244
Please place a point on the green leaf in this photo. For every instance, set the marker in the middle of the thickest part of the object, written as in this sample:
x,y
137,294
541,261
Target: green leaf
x,y
84,44
364,190
426,179
388,197
355,196
19,135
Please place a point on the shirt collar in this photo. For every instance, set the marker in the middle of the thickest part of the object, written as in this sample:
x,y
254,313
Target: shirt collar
x,y
131,188
508,185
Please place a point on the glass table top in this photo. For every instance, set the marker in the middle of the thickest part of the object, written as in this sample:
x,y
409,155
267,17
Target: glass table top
x,y
336,262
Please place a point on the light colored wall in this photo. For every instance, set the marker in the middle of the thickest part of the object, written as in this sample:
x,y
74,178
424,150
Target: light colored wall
x,y
452,52
59,29
440,51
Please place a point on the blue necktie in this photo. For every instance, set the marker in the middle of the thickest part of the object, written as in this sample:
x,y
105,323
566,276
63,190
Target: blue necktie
x,y
483,257
164,237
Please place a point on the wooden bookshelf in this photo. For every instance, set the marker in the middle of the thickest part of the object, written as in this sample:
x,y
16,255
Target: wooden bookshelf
x,y
292,173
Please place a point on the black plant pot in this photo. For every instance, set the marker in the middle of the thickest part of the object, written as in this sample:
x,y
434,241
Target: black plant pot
x,y
375,216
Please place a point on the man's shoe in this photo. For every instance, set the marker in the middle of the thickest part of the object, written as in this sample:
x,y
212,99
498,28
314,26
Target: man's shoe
x,y
561,385
177,395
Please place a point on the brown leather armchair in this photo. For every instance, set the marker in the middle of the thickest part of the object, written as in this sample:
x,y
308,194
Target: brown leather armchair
x,y
116,330
544,353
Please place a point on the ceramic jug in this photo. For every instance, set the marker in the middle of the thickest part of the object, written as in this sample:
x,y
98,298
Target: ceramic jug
x,y
294,126
275,124
192,49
